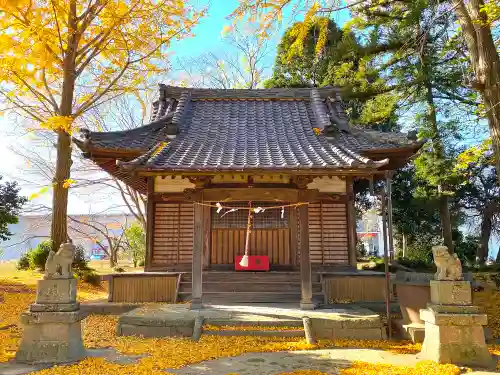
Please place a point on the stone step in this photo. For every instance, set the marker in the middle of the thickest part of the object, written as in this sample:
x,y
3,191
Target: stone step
x,y
267,333
244,286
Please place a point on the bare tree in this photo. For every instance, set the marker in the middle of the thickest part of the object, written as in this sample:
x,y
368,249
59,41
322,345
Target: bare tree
x,y
243,65
113,242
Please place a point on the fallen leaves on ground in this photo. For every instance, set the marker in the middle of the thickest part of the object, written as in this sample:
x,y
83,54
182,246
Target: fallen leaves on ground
x,y
15,298
162,353
303,372
489,300
421,368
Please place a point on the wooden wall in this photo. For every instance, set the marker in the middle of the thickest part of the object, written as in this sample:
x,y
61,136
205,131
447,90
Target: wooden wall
x,y
142,288
173,234
228,242
328,233
355,289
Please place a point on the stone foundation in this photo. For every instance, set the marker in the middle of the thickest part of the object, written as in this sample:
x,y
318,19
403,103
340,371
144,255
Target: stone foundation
x,y
453,327
178,320
52,327
57,339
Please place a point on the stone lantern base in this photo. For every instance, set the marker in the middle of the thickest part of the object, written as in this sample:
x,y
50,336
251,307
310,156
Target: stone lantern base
x,y
52,327
454,327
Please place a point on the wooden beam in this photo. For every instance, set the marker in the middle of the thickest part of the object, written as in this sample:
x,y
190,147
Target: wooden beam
x,y
169,197
150,215
305,261
332,197
250,194
351,224
197,266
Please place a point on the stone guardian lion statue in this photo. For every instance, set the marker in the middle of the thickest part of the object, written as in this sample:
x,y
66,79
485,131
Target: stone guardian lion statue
x,y
448,265
58,265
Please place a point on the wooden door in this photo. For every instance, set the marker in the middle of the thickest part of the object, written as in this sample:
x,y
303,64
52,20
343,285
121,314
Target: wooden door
x,y
270,235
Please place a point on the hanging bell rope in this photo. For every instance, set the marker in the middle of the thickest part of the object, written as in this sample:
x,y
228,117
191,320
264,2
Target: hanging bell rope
x,y
244,260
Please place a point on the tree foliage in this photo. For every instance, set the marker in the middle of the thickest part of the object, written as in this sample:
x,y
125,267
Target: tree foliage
x,y
479,193
10,205
60,59
135,240
477,19
340,63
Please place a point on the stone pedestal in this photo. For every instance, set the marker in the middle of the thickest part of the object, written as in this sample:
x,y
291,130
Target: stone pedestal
x,y
52,327
453,327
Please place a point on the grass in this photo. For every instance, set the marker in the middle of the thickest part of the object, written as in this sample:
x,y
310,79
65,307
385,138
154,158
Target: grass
x,y
9,271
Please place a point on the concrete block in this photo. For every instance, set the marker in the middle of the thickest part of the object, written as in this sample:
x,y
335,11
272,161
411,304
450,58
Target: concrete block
x,y
415,332
464,346
51,343
53,291
454,309
145,331
54,307
445,292
444,319
361,323
68,317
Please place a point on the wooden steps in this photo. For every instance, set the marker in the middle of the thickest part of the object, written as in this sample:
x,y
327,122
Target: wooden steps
x,y
250,287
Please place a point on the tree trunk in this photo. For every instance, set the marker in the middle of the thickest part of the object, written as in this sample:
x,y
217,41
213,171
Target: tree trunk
x,y
445,217
485,61
59,225
112,258
486,227
405,245
438,146
59,230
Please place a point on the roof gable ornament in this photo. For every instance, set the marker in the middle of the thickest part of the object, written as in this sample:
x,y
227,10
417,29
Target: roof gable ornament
x,y
329,113
172,128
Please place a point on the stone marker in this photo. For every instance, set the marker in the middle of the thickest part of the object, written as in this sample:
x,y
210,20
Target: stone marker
x,y
453,326
52,327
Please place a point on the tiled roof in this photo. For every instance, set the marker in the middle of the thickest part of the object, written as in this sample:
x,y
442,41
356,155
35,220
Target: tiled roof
x,y
204,129
141,139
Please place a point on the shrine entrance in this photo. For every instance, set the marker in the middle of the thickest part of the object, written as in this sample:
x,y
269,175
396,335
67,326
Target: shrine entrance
x,y
270,234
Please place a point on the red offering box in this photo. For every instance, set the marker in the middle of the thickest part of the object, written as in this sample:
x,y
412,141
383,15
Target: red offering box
x,y
255,263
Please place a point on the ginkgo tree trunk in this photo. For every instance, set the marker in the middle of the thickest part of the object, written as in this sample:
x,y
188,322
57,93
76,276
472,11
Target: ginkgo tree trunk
x,y
476,26
60,59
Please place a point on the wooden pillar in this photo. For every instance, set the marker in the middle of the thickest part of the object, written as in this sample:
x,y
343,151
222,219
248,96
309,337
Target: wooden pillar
x,y
383,198
351,224
207,236
388,182
150,216
294,235
197,266
305,260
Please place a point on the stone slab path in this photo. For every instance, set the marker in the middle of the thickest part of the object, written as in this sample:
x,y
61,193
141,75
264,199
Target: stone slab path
x,y
239,314
329,361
